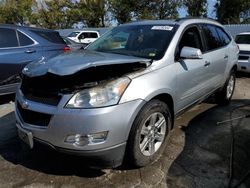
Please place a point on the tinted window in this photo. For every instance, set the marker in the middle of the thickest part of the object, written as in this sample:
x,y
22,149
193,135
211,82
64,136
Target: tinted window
x,y
8,38
242,39
88,35
213,40
190,38
50,36
148,41
73,34
225,39
24,40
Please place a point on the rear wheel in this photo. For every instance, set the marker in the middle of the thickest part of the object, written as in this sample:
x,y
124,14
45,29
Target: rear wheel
x,y
149,133
224,96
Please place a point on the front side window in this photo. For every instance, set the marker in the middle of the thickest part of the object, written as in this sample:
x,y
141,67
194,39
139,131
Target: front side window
x,y
147,41
190,38
8,38
242,39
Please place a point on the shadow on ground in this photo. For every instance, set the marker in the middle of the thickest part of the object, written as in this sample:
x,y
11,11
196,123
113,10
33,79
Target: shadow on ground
x,y
40,159
204,161
7,98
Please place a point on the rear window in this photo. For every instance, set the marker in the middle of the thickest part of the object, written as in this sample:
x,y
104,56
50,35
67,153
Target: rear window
x,y
8,38
73,34
50,36
242,39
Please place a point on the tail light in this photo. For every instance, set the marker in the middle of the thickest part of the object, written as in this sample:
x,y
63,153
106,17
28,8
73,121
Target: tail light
x,y
66,49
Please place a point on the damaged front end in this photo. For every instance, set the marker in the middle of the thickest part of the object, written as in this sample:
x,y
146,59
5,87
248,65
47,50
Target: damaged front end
x,y
85,84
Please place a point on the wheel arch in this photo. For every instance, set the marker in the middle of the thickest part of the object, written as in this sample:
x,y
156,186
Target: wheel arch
x,y
168,99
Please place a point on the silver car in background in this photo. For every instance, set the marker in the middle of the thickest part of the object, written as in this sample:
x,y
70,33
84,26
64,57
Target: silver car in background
x,y
120,96
243,41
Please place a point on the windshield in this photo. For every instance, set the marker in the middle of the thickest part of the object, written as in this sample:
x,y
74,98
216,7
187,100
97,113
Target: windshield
x,y
147,41
73,34
242,39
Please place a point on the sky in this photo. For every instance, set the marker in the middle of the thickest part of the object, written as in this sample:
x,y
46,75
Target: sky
x,y
211,12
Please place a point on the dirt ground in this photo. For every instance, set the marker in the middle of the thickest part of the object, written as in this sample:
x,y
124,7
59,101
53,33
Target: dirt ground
x,y
198,153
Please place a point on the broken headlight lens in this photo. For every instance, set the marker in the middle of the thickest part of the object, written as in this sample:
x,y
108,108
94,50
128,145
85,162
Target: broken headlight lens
x,y
100,96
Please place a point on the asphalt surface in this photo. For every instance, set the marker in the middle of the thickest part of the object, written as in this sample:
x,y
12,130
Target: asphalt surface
x,y
197,155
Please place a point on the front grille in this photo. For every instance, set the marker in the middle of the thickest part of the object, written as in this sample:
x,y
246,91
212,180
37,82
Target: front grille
x,y
34,118
50,100
243,57
40,95
244,52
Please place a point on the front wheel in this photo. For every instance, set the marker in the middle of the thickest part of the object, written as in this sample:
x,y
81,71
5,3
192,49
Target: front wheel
x,y
224,96
149,133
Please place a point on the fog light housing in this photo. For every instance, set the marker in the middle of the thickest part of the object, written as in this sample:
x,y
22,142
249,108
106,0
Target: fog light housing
x,y
82,140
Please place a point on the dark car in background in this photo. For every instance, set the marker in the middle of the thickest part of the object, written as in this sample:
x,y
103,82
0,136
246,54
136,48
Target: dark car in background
x,y
21,45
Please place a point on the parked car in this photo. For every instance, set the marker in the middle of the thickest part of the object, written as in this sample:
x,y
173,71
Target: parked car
x,y
120,96
73,45
21,45
84,37
243,41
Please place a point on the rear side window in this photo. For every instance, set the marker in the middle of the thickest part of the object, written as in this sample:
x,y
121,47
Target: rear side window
x,y
213,40
242,39
8,38
88,35
225,39
24,40
50,36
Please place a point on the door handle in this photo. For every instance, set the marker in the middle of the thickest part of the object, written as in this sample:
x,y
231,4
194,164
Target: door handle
x,y
226,57
207,63
29,51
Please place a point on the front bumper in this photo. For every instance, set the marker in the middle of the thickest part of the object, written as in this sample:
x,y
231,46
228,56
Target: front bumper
x,y
244,65
117,120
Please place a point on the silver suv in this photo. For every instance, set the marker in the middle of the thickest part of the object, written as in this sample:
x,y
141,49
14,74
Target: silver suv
x,y
120,96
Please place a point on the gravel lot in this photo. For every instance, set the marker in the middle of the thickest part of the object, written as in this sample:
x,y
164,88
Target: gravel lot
x,y
198,153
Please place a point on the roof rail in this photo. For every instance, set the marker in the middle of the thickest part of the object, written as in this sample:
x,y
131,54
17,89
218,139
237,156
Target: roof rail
x,y
191,17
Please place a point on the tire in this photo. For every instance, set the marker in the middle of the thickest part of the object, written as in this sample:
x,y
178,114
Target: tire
x,y
224,96
149,133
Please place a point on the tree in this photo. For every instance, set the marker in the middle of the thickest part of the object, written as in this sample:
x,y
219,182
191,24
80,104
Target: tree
x,y
16,12
94,12
228,11
121,10
126,10
196,8
57,14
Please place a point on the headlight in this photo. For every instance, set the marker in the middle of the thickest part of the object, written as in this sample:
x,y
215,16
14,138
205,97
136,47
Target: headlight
x,y
100,96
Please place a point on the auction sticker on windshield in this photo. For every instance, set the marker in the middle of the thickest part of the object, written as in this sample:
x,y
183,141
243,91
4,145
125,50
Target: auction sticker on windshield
x,y
162,27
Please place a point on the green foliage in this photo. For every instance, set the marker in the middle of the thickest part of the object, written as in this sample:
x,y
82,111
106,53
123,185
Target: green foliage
x,y
196,8
122,10
127,10
13,11
228,11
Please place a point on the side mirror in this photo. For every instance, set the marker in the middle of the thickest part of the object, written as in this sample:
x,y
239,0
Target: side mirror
x,y
191,53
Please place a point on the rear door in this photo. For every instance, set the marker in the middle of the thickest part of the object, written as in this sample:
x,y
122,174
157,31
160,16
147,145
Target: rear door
x,y
16,51
216,52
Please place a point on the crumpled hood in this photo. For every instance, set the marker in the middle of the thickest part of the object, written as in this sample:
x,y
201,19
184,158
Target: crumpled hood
x,y
70,63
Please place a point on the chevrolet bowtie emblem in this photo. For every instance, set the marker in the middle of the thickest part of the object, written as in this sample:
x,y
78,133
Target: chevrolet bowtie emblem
x,y
24,104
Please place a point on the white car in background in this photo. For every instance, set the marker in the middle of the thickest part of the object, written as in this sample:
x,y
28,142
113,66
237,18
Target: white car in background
x,y
243,41
84,37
